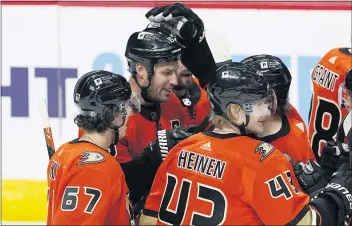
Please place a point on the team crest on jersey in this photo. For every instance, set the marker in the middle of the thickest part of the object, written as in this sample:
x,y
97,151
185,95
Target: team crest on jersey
x,y
91,157
264,150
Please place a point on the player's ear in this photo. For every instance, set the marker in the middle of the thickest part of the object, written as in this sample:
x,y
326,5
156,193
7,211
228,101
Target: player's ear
x,y
236,114
142,75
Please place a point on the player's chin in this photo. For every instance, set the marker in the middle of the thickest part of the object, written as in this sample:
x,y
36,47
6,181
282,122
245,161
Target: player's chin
x,y
164,95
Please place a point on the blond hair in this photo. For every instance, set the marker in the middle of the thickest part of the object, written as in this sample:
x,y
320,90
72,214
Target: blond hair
x,y
234,113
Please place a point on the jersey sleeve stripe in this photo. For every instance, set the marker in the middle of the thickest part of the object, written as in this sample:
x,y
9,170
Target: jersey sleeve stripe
x,y
150,213
302,214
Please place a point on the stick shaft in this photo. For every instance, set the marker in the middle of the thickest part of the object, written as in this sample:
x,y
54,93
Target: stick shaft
x,y
49,139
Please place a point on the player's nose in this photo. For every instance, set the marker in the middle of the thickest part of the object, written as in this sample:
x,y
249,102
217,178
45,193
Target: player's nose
x,y
173,79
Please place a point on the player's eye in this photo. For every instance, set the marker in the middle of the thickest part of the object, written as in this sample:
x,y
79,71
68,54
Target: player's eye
x,y
187,74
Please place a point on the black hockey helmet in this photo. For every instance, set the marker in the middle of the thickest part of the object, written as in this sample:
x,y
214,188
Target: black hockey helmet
x,y
153,45
275,71
97,92
345,92
348,80
237,84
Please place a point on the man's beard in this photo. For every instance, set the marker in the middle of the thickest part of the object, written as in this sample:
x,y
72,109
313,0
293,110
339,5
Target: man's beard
x,y
179,87
184,86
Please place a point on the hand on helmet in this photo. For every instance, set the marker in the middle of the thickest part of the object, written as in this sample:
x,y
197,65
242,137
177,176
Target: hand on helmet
x,y
180,20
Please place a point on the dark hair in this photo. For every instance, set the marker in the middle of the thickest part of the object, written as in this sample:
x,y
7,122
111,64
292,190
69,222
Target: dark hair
x,y
98,123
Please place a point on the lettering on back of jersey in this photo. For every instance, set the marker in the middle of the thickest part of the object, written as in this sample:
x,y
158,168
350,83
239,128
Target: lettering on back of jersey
x,y
264,149
91,157
201,164
325,77
54,169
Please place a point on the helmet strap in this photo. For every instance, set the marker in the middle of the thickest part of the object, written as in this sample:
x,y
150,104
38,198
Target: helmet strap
x,y
242,126
144,89
116,133
116,130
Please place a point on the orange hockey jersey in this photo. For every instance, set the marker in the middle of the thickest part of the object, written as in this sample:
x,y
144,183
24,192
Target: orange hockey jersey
x,y
141,128
325,113
214,179
293,113
195,105
86,186
292,139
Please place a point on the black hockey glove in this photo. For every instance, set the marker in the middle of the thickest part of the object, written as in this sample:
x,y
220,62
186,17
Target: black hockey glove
x,y
310,176
181,20
166,139
189,29
339,189
332,156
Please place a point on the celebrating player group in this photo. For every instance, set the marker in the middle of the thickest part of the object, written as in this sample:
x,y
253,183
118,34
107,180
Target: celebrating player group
x,y
194,140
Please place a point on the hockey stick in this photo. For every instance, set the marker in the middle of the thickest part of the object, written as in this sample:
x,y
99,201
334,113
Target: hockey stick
x,y
49,139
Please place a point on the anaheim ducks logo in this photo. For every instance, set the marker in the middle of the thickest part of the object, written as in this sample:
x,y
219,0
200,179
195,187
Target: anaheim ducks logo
x,y
91,157
264,150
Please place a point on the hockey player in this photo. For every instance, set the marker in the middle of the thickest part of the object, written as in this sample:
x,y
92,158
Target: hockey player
x,y
86,184
335,153
285,127
193,98
152,57
225,178
325,113
314,177
345,100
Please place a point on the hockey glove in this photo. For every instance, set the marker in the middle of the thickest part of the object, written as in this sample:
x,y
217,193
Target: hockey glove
x,y
181,20
310,176
189,29
332,157
339,189
166,139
